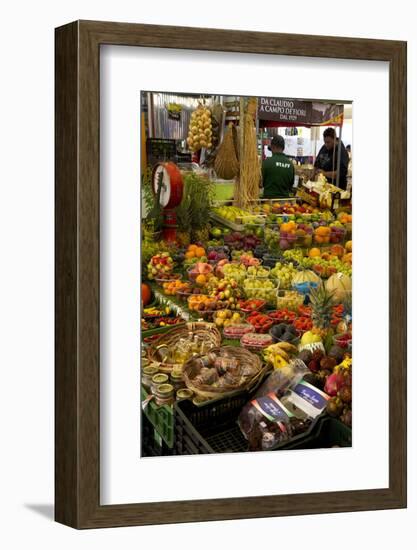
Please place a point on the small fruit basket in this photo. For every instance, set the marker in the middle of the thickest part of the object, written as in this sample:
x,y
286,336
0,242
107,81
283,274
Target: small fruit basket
x,y
200,273
292,235
167,278
303,324
304,311
258,272
284,332
225,317
248,306
262,323
289,299
171,288
217,253
205,306
282,315
334,234
183,293
235,332
262,289
234,270
337,234
256,342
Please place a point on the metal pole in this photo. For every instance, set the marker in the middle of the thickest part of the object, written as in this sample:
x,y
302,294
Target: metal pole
x,y
339,156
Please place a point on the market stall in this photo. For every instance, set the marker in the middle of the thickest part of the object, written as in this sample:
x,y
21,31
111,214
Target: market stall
x,y
246,326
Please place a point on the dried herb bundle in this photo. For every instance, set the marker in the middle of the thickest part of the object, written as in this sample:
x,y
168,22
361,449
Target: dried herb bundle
x,y
226,163
247,185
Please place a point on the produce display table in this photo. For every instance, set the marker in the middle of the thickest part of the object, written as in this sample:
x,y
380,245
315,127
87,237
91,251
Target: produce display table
x,y
308,322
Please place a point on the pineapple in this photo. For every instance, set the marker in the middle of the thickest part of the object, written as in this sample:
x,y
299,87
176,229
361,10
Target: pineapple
x,y
184,223
321,305
201,235
183,238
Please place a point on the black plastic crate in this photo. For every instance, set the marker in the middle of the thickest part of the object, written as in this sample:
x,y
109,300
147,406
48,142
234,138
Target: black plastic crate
x,y
209,428
213,428
328,432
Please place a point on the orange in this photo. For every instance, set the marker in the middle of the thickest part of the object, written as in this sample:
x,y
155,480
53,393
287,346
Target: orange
x,y
337,250
347,258
200,279
189,255
322,230
199,252
319,239
314,253
192,247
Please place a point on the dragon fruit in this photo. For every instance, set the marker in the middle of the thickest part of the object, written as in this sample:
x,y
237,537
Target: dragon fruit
x,y
334,383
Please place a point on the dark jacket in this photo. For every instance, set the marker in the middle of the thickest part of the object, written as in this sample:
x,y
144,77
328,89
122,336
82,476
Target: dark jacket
x,y
327,161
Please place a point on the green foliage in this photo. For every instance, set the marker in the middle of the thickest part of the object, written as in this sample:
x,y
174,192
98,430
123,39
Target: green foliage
x,y
193,212
154,218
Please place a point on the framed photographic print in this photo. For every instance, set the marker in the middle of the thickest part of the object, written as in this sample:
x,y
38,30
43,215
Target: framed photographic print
x,y
223,351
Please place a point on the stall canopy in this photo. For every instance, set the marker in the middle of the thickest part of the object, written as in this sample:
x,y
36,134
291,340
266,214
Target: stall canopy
x,y
276,111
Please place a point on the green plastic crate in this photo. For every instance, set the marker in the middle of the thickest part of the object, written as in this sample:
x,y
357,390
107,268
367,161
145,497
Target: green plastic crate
x,y
161,418
152,442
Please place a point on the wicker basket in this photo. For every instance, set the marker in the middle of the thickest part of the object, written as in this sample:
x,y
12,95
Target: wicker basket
x,y
208,331
210,392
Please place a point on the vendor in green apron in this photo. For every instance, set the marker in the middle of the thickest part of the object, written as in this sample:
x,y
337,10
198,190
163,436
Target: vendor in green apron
x,y
277,172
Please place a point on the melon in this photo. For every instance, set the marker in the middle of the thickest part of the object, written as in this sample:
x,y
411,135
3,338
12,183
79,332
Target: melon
x,y
339,284
306,276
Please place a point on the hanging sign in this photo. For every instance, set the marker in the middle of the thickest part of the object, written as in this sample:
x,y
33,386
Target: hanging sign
x,y
298,112
284,110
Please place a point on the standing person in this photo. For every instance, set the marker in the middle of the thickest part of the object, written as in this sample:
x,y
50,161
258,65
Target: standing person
x,y
277,172
326,161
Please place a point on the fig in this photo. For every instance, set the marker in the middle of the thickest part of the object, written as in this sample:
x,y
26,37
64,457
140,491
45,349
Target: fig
x,y
345,394
334,407
317,354
337,353
313,365
328,363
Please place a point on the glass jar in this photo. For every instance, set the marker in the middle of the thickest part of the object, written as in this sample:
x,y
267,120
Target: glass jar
x,y
147,375
184,393
177,380
157,380
164,394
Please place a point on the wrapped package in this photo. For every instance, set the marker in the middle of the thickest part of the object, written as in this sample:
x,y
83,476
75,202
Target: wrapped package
x,y
281,379
266,422
272,418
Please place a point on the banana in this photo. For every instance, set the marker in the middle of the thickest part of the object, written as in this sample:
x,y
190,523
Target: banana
x,y
279,351
279,362
286,346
